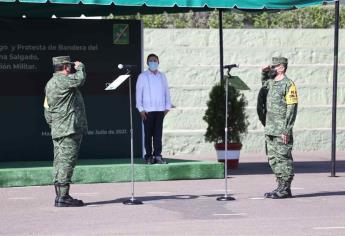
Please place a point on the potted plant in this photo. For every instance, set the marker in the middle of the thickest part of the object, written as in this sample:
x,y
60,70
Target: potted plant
x,y
237,122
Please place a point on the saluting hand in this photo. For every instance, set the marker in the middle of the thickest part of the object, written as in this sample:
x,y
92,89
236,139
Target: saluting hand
x,y
76,64
266,68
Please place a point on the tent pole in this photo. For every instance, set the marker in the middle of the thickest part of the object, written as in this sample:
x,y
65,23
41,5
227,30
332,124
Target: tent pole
x,y
335,81
221,55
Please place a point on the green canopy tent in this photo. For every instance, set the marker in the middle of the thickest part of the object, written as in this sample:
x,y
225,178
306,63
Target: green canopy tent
x,y
73,8
66,8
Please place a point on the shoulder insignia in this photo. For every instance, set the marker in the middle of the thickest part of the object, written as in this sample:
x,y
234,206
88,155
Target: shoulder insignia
x,y
291,97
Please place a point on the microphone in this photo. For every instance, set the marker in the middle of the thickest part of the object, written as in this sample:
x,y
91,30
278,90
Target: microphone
x,y
122,66
230,66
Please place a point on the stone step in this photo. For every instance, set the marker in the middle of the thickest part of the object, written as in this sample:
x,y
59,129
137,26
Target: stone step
x,y
304,140
207,75
307,117
316,95
183,56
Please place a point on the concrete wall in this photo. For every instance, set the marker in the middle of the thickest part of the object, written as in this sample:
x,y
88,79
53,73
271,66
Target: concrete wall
x,y
190,59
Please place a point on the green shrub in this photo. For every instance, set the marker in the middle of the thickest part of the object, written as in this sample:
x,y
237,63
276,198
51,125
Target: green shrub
x,y
310,17
215,115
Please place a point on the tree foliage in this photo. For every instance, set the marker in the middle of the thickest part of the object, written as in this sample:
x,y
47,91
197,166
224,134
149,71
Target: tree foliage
x,y
215,115
310,17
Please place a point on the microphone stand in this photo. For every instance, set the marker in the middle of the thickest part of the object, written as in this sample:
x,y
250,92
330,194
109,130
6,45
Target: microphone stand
x,y
132,200
226,197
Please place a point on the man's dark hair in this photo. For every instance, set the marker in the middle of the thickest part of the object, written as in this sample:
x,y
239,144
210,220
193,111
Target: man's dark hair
x,y
285,66
152,55
60,67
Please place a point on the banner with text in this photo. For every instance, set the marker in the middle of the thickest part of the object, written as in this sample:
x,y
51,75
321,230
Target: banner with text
x,y
26,51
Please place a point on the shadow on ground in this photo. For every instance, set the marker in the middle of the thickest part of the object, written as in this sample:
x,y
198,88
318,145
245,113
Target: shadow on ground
x,y
320,194
193,197
255,168
153,198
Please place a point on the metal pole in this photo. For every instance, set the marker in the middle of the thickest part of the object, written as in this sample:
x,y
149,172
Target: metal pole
x,y
131,131
335,82
226,137
221,54
132,200
221,63
226,197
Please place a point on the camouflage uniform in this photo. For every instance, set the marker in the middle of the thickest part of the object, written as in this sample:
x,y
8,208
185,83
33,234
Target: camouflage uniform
x,y
261,103
281,114
262,97
65,114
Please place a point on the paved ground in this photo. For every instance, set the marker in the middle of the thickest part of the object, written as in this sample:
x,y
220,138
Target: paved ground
x,y
190,207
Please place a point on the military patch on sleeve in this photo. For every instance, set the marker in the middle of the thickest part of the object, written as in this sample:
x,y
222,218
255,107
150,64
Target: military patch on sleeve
x,y
291,97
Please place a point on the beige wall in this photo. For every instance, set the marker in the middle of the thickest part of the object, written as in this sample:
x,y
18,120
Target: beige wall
x,y
190,59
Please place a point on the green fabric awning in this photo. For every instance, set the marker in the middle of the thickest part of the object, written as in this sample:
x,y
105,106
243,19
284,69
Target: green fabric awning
x,y
44,8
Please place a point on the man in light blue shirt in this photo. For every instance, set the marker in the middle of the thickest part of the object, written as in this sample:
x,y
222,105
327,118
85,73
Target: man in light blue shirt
x,y
153,102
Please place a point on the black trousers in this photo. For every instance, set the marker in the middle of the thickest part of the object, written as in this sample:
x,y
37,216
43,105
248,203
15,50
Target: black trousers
x,y
153,129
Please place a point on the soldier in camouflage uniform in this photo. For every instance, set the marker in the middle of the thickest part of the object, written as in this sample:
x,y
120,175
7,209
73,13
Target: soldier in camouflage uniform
x,y
281,108
64,111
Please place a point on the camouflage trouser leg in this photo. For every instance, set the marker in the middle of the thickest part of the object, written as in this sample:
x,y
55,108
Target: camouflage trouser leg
x,y
280,157
66,151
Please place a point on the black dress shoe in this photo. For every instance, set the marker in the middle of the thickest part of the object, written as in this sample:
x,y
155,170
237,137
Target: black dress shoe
x,y
160,160
149,160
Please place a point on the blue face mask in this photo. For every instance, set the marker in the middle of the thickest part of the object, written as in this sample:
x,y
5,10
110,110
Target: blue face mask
x,y
153,65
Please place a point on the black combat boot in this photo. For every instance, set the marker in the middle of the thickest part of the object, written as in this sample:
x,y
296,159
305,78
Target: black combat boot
x,y
63,199
270,194
56,192
284,192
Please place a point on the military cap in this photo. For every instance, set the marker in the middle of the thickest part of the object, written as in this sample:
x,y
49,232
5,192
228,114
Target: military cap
x,y
61,60
279,60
